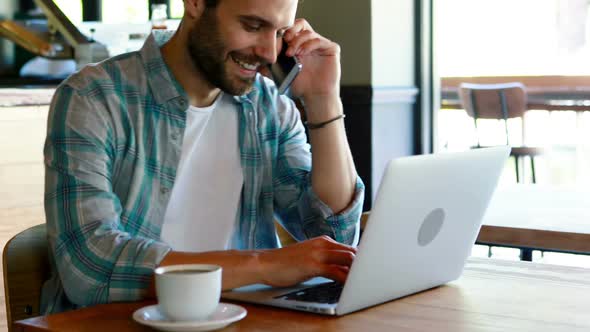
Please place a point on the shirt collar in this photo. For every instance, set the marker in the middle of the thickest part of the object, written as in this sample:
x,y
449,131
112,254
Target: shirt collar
x,y
160,79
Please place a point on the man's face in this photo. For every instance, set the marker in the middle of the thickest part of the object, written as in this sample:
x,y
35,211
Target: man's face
x,y
229,44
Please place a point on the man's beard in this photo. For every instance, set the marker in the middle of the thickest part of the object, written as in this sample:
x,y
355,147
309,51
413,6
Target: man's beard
x,y
207,51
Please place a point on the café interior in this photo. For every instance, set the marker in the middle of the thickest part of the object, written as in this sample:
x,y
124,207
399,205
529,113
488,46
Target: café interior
x,y
418,77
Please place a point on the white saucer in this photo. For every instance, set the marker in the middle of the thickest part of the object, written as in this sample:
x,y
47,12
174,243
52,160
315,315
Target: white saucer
x,y
224,315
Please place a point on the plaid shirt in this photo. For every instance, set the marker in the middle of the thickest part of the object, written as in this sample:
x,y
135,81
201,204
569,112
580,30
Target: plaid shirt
x,y
113,144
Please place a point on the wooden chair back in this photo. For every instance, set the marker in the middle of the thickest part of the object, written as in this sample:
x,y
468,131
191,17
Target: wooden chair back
x,y
493,101
26,267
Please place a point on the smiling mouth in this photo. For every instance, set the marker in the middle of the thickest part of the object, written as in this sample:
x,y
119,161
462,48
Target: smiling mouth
x,y
246,65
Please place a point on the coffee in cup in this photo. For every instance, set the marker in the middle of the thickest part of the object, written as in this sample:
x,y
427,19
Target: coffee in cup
x,y
188,292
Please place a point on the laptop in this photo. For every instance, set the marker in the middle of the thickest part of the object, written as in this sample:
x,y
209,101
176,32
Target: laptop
x,y
424,222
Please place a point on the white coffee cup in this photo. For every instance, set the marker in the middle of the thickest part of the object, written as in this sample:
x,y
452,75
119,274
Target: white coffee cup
x,y
188,292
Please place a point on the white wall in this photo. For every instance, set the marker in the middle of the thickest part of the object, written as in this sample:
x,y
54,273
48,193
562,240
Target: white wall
x,y
393,42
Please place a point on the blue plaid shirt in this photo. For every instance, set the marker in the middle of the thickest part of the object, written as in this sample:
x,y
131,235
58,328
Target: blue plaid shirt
x,y
113,144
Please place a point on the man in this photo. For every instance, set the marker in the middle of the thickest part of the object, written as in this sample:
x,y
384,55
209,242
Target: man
x,y
173,155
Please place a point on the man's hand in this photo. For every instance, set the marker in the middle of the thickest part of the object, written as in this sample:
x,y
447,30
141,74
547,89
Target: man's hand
x,y
321,62
287,266
296,263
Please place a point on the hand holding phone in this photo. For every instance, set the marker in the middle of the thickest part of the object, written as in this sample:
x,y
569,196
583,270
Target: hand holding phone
x,y
285,69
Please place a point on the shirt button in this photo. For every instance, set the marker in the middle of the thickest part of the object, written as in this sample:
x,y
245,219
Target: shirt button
x,y
164,190
174,136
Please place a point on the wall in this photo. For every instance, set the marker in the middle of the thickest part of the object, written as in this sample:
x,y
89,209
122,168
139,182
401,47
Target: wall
x,y
347,22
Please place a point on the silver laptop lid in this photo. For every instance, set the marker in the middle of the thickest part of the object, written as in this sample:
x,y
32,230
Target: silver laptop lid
x,y
423,224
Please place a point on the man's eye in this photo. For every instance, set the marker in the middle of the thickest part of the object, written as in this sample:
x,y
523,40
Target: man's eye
x,y
252,27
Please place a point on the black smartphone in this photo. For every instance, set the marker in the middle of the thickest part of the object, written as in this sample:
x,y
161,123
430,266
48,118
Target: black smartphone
x,y
285,69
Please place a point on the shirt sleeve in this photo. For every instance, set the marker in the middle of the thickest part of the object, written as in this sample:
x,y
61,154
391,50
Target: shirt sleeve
x,y
298,208
98,259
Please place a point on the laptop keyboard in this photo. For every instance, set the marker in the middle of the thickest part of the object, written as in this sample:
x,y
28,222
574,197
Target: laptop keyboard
x,y
323,293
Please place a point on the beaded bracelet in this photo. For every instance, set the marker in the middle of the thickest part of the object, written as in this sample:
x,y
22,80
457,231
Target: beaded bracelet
x,y
311,126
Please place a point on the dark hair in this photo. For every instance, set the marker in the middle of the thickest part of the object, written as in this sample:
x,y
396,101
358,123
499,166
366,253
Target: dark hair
x,y
211,3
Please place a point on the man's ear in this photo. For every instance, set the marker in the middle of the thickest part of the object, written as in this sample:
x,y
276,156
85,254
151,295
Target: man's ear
x,y
194,8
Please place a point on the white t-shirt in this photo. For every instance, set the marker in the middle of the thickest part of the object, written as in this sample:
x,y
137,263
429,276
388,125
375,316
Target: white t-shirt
x,y
204,202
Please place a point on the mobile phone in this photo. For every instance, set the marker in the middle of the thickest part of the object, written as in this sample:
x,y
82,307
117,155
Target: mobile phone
x,y
285,69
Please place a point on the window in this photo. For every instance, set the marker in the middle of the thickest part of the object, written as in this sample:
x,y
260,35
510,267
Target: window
x,y
523,39
72,9
505,37
125,11
176,8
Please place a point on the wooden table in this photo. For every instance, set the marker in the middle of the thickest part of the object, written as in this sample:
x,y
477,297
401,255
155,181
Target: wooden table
x,y
492,295
538,217
533,217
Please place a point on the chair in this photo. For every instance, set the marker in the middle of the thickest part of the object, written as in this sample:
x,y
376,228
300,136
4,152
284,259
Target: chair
x,y
26,267
499,101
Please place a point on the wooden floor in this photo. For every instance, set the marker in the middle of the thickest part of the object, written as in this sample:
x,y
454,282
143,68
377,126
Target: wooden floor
x,y
22,131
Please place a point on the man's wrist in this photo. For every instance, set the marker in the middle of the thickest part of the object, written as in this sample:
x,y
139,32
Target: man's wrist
x,y
319,125
315,98
257,261
321,108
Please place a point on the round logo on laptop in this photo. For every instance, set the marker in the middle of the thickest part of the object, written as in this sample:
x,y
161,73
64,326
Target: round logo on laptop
x,y
431,226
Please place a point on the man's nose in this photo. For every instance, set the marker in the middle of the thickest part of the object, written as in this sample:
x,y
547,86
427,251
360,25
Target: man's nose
x,y
268,46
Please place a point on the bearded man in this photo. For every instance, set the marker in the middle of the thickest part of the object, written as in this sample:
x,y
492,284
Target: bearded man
x,y
183,153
